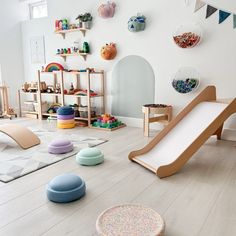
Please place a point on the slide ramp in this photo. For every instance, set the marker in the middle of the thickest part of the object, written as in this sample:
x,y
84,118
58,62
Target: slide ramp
x,y
174,145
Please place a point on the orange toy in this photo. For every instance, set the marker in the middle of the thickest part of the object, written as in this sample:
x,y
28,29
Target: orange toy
x,y
109,51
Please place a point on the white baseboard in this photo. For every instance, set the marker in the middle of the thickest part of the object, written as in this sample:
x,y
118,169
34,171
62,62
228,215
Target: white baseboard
x,y
229,134
138,122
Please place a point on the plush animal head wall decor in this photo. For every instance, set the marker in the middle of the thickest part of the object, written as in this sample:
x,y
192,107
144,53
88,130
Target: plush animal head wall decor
x,y
109,51
137,23
107,10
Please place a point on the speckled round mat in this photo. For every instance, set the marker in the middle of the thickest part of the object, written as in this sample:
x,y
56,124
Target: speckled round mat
x,y
130,219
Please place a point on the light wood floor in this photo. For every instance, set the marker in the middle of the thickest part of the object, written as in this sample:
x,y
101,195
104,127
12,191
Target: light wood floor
x,y
199,200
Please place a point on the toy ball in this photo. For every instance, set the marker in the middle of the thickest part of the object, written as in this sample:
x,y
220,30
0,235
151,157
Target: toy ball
x,y
107,10
137,23
109,51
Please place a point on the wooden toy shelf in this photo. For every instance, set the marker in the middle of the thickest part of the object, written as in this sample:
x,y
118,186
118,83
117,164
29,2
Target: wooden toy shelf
x,y
58,77
65,55
64,32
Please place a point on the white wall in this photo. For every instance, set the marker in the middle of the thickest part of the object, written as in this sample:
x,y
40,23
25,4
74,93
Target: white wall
x,y
11,57
214,58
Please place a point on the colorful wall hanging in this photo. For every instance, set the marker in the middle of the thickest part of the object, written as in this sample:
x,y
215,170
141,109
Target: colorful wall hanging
x,y
188,35
53,67
137,23
210,10
109,51
186,80
107,10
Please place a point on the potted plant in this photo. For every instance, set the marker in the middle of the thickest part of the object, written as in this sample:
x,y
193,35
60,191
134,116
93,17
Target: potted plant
x,y
87,21
80,19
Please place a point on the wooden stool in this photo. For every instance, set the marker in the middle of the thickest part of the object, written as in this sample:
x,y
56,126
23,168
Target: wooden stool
x,y
130,220
164,113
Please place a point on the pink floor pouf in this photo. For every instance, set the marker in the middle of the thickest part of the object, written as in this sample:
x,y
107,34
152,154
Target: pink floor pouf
x,y
60,146
130,219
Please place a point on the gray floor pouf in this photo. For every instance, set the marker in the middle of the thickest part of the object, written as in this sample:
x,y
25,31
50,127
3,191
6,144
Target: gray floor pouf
x,y
66,188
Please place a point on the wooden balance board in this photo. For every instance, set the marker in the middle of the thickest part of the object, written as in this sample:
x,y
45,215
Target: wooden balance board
x,y
178,141
23,136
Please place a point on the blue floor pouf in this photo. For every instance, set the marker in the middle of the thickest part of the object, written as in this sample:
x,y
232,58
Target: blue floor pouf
x,y
66,188
90,157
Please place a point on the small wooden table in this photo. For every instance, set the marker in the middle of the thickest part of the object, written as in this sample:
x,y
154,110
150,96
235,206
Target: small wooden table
x,y
130,220
164,113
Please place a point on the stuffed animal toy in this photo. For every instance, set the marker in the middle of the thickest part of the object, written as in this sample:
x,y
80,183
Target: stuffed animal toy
x,y
107,10
109,51
137,23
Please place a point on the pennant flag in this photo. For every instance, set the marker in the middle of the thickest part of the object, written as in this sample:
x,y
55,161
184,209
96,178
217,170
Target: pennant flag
x,y
234,21
223,15
198,5
210,10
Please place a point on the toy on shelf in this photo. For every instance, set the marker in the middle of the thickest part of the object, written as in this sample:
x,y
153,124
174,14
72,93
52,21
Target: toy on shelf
x,y
84,93
61,24
33,87
86,48
137,23
109,51
58,88
53,108
53,67
71,90
6,110
107,10
107,122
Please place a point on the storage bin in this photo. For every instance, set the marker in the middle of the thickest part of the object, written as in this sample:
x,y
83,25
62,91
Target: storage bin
x,y
83,112
45,107
29,106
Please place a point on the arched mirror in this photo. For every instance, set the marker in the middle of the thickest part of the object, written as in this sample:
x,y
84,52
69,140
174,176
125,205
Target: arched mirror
x,y
133,85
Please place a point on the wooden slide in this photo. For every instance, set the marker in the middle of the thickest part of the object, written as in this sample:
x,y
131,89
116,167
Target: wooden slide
x,y
23,136
185,134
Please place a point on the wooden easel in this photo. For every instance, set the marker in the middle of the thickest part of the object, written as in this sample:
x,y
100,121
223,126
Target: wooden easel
x,y
6,111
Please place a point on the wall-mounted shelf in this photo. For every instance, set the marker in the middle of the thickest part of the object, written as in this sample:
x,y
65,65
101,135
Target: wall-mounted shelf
x,y
64,56
64,32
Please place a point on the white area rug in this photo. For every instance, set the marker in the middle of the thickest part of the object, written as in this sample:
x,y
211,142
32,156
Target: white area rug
x,y
16,162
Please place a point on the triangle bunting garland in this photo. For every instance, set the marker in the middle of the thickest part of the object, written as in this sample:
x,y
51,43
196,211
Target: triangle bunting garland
x,y
234,21
223,15
210,10
198,5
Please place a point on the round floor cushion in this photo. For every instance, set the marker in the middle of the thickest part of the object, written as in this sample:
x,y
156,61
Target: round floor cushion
x,y
64,122
130,219
66,188
65,110
90,157
65,117
65,126
60,146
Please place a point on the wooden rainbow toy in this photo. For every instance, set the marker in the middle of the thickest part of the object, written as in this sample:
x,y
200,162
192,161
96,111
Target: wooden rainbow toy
x,y
53,67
